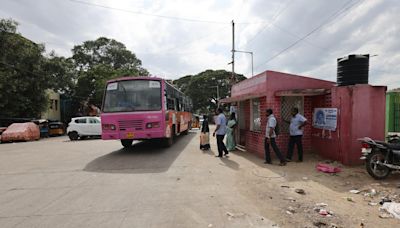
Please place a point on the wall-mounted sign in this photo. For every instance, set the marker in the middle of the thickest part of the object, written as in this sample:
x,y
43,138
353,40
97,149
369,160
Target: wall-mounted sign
x,y
325,118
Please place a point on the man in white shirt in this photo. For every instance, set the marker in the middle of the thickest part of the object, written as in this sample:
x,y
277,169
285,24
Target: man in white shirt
x,y
270,136
296,133
220,131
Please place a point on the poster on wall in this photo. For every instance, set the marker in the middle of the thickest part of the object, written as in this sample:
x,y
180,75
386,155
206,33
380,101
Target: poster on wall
x,y
325,118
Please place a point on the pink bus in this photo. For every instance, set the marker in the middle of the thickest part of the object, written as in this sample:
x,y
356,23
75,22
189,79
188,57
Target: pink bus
x,y
140,108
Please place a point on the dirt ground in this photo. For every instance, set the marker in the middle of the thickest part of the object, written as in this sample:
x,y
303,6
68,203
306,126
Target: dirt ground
x,y
273,189
94,183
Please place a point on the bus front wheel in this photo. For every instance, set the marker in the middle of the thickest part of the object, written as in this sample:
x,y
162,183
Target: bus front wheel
x,y
168,141
126,143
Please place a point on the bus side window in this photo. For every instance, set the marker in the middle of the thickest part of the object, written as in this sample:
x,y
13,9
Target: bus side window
x,y
178,105
170,104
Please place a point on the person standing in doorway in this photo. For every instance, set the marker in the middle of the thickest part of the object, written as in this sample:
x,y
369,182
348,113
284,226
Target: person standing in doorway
x,y
220,131
270,136
296,134
230,132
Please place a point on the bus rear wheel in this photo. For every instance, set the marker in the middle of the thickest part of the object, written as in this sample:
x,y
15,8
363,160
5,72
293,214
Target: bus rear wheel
x,y
126,143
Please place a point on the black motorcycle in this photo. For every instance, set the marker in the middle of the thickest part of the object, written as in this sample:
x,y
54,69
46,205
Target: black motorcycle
x,y
381,157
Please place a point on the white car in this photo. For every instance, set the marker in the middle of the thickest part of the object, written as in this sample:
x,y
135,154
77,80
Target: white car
x,y
81,127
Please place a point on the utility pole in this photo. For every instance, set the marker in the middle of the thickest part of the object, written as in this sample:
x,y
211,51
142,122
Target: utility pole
x,y
233,79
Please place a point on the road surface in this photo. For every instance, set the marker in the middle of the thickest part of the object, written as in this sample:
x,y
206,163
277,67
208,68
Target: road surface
x,y
93,183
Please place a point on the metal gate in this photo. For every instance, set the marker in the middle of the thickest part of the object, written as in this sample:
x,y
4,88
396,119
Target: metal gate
x,y
242,124
393,112
396,115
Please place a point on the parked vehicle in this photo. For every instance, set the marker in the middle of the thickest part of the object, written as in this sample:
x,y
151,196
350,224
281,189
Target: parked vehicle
x,y
393,139
196,121
56,129
81,127
381,158
140,108
21,132
2,129
43,127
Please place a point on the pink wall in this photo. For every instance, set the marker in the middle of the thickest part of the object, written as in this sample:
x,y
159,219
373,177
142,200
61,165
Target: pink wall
x,y
256,84
325,143
361,113
270,82
277,81
368,118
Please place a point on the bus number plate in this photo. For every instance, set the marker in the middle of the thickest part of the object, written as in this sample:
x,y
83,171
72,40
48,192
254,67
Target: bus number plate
x,y
129,135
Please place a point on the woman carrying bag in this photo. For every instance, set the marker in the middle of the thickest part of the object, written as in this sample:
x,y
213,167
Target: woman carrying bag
x,y
205,134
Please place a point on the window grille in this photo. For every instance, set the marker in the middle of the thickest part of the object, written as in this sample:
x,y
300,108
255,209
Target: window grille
x,y
287,104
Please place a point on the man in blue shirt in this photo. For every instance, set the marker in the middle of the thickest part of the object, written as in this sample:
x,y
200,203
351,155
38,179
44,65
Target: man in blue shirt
x,y
220,131
296,134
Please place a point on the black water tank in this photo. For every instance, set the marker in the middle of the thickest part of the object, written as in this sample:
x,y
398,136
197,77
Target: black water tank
x,y
352,69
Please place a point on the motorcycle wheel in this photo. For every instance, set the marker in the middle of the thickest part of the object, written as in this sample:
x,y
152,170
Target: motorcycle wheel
x,y
377,171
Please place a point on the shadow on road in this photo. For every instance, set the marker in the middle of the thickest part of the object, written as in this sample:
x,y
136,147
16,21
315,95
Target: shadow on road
x,y
142,157
229,163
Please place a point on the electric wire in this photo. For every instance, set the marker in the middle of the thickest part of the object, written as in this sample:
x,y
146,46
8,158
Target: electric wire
x,y
169,50
147,14
331,17
269,23
193,20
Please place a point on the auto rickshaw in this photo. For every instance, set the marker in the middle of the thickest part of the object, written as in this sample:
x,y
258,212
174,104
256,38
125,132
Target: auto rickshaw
x,y
56,129
196,122
43,127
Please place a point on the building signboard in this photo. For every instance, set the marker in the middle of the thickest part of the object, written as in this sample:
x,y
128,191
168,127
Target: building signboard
x,y
325,118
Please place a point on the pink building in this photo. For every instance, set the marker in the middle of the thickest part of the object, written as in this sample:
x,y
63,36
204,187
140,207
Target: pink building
x,y
360,111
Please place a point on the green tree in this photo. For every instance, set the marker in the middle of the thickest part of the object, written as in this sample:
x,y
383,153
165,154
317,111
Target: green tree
x,y
101,60
183,82
62,73
22,80
202,88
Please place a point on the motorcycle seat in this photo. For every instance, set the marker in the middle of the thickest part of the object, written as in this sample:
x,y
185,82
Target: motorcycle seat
x,y
393,146
381,142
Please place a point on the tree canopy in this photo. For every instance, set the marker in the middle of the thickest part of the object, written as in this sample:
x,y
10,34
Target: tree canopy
x,y
202,88
26,71
100,60
22,79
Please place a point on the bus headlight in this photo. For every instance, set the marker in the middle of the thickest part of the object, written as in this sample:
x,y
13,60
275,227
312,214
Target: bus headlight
x,y
153,125
108,127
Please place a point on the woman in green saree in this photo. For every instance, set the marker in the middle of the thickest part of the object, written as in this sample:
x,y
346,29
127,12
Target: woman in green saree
x,y
230,136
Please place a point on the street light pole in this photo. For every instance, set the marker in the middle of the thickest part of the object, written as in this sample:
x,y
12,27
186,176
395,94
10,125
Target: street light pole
x,y
218,81
218,94
233,78
217,86
251,53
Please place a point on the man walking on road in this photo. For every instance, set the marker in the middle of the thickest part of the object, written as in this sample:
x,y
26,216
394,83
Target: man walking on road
x,y
220,131
296,134
270,136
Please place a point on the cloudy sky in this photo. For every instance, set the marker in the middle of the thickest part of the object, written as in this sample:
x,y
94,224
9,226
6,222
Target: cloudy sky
x,y
174,38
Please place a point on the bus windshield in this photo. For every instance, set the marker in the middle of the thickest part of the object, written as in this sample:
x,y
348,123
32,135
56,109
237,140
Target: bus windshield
x,y
133,95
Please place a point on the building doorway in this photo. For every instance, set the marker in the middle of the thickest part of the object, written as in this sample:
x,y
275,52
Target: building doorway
x,y
240,136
